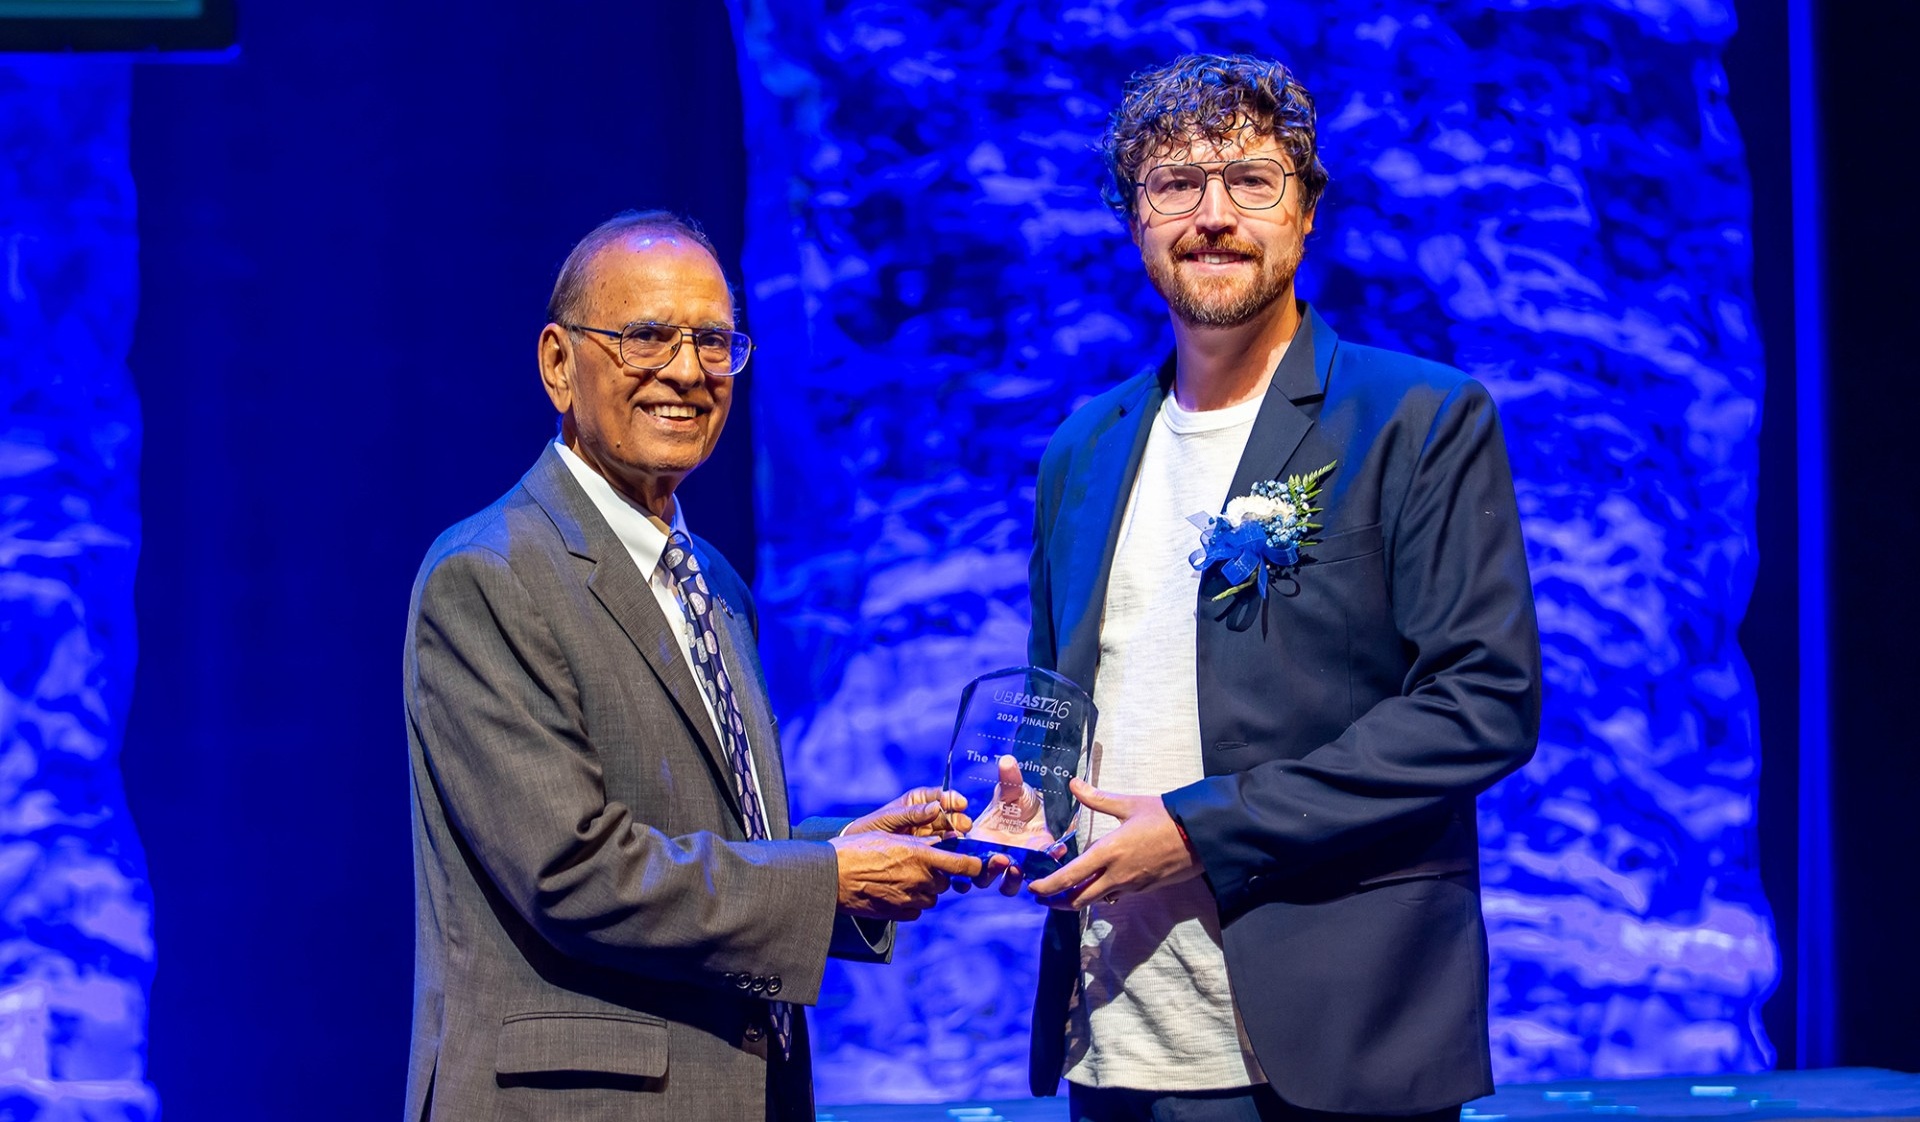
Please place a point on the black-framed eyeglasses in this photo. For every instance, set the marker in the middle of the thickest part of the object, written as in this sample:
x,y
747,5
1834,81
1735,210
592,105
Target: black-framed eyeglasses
x,y
649,346
1176,189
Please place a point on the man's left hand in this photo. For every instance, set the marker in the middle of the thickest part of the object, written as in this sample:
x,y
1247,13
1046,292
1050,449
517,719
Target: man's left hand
x,y
924,812
930,812
1144,852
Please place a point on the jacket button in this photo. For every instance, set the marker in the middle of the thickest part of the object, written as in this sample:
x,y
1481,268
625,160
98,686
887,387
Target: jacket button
x,y
754,1033
773,984
1254,882
759,984
742,981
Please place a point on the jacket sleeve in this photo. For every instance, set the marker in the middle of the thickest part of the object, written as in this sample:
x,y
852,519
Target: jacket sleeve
x,y
497,713
854,939
1468,713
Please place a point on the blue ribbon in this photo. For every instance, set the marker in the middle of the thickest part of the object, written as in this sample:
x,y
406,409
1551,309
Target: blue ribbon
x,y
1242,551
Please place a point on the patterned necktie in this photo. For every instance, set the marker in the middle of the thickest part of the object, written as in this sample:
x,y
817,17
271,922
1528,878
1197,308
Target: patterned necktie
x,y
694,593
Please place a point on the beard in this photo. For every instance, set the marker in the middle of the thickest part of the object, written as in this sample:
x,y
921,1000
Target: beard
x,y
1223,301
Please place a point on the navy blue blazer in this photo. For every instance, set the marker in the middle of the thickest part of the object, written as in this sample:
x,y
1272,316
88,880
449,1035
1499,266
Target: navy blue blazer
x,y
1347,721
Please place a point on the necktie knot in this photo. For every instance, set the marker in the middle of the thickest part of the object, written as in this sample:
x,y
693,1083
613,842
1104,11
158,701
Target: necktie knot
x,y
681,560
684,568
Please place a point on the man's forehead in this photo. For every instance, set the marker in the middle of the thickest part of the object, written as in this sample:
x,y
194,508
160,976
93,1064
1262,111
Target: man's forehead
x,y
1206,149
639,241
657,273
651,255
654,249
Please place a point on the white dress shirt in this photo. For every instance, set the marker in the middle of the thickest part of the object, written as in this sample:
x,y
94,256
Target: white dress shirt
x,y
645,543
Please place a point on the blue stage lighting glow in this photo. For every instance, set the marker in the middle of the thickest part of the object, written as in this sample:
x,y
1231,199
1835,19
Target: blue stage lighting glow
x,y
1551,196
1816,1027
76,933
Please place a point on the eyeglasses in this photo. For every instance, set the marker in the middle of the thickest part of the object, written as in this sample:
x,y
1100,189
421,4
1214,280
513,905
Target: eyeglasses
x,y
650,346
1175,189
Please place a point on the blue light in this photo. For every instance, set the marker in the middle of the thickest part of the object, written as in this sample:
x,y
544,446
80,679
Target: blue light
x,y
1817,1025
76,934
1552,197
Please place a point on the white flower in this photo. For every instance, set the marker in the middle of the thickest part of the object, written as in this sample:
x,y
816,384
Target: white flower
x,y
1257,508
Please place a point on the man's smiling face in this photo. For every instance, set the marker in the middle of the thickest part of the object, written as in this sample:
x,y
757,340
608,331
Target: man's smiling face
x,y
1218,265
644,430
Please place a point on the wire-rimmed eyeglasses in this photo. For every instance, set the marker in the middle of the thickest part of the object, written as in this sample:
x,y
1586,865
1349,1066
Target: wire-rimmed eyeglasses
x,y
647,345
1176,189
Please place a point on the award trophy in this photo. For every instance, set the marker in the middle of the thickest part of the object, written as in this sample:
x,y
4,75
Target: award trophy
x,y
1019,736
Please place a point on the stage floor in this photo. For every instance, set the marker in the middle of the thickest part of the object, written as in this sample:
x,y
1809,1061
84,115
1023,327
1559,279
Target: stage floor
x,y
1833,1093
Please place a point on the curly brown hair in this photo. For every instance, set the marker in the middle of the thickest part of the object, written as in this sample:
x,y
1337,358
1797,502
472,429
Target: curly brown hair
x,y
1214,98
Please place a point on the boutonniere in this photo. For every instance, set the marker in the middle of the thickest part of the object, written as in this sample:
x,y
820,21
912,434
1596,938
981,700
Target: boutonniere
x,y
1261,533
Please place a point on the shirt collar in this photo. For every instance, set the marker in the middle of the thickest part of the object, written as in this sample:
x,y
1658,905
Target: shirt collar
x,y
629,523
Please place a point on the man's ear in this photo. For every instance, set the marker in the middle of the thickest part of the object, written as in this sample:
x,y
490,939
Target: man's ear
x,y
555,356
1306,222
1133,228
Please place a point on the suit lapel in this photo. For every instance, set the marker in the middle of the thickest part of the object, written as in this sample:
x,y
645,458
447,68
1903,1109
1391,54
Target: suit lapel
x,y
1096,503
623,591
1091,521
1299,380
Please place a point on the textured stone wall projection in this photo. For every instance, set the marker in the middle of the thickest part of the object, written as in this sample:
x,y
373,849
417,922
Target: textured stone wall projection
x,y
1551,196
76,931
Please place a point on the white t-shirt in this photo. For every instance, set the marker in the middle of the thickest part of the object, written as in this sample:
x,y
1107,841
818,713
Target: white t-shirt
x,y
1154,1011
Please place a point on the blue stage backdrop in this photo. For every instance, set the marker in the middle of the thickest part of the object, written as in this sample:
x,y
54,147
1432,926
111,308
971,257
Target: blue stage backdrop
x,y
1549,195
76,942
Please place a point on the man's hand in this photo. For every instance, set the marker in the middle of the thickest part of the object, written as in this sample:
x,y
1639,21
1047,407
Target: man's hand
x,y
923,812
1144,852
888,876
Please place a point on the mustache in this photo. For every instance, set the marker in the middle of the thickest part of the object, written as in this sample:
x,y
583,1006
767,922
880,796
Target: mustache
x,y
1194,243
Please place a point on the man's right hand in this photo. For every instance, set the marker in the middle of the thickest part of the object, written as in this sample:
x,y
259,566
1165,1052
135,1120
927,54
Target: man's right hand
x,y
890,877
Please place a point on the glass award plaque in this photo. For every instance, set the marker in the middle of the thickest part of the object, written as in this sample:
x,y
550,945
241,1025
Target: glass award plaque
x,y
1019,736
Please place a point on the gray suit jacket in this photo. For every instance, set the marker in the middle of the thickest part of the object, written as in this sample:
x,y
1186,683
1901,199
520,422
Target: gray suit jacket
x,y
595,936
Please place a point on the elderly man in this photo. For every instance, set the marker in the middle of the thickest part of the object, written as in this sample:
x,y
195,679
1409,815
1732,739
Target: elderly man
x,y
1290,568
614,919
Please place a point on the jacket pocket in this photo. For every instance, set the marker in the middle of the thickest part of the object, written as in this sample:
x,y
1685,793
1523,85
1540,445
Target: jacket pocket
x,y
598,1042
1346,545
1431,869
